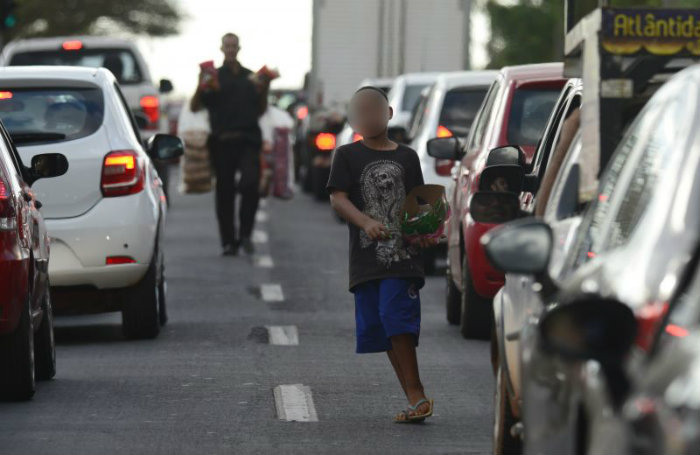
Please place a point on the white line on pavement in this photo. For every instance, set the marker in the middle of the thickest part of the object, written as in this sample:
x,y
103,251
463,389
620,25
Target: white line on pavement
x,y
294,403
263,203
284,335
263,261
260,236
271,293
261,216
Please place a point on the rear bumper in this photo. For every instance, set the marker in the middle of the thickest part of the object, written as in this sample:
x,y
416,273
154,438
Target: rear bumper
x,y
14,289
121,226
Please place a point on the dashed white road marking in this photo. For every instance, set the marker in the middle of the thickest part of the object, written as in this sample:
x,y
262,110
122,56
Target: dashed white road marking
x,y
263,261
260,236
294,403
284,335
271,293
261,216
263,203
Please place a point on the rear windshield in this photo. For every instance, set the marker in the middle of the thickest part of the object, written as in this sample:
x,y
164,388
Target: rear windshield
x,y
529,114
71,113
459,109
121,62
411,95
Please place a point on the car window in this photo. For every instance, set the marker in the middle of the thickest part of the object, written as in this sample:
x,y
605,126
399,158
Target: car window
x,y
459,109
128,112
411,94
71,112
476,136
529,112
420,112
9,163
563,202
121,62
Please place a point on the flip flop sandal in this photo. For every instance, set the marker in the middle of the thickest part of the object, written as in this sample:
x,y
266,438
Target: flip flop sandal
x,y
406,418
420,417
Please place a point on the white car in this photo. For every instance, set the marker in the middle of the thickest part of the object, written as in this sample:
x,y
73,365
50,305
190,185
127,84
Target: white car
x,y
447,110
403,97
106,215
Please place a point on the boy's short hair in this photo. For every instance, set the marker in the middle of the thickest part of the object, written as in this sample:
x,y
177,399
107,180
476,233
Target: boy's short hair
x,y
376,89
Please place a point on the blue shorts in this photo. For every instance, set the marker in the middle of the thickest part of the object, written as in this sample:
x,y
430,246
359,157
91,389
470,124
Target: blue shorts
x,y
384,308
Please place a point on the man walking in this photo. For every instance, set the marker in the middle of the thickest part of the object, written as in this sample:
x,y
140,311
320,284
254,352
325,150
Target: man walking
x,y
234,104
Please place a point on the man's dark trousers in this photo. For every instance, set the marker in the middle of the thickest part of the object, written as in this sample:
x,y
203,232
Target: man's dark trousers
x,y
229,157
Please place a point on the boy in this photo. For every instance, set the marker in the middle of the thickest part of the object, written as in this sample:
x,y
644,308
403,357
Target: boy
x,y
368,183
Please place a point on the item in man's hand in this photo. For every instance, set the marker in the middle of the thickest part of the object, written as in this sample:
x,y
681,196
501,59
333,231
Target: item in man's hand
x,y
208,76
424,213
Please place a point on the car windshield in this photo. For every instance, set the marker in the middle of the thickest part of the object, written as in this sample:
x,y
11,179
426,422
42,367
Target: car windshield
x,y
121,62
529,113
51,115
411,95
460,108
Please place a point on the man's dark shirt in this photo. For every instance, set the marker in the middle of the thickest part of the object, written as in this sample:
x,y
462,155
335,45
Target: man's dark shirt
x,y
235,107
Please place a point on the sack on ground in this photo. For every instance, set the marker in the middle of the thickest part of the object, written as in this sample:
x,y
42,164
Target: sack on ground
x,y
195,165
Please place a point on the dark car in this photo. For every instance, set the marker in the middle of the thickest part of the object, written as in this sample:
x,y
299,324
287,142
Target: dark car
x,y
27,348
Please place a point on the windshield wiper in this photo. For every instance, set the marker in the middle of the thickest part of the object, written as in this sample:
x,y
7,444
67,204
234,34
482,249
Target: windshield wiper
x,y
26,137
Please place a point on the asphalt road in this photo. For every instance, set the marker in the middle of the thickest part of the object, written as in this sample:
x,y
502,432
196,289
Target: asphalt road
x,y
206,385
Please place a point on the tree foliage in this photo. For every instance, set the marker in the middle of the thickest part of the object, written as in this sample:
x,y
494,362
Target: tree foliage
x,y
72,17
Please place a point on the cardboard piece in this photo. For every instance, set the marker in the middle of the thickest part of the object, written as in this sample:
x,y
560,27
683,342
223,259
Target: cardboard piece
x,y
424,211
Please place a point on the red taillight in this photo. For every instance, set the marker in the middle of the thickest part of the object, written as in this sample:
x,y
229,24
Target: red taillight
x,y
8,218
302,112
114,260
444,167
5,95
325,141
150,105
648,319
442,131
122,174
73,45
356,137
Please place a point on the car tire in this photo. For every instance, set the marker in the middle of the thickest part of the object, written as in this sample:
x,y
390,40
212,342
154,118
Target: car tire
x,y
318,184
453,300
475,317
429,259
140,314
504,443
307,183
17,374
44,344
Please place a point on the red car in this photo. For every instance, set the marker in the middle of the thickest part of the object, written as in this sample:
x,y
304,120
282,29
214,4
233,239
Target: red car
x,y
26,327
514,112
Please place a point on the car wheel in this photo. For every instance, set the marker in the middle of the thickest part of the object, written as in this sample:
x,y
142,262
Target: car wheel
x,y
17,375
307,180
44,344
503,420
140,314
475,317
318,184
453,300
429,258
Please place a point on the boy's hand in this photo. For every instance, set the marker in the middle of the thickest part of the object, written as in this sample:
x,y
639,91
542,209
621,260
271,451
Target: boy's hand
x,y
376,230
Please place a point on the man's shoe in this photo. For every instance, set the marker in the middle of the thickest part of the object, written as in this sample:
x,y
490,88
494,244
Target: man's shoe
x,y
247,245
230,250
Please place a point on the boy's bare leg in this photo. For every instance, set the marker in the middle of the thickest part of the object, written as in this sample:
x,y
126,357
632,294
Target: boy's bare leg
x,y
397,369
404,352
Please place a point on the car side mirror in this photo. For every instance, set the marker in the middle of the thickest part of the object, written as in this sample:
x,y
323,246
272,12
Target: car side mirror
x,y
502,177
142,120
165,86
508,154
593,328
444,148
165,147
47,165
398,134
494,207
521,246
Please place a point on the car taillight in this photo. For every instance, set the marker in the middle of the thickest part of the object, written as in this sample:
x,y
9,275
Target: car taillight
x,y
442,131
150,105
443,167
5,95
115,260
122,174
302,112
8,218
356,137
325,141
648,319
73,45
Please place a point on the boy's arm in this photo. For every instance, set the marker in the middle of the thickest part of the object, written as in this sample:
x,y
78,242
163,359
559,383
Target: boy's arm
x,y
347,210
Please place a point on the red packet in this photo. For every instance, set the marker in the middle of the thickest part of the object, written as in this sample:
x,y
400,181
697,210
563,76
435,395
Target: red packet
x,y
208,74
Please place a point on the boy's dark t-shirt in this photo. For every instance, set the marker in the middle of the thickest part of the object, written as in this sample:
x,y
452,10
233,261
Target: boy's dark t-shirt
x,y
377,182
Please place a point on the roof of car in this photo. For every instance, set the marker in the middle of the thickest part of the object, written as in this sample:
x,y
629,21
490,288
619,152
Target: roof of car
x,y
51,73
533,71
37,44
418,77
466,78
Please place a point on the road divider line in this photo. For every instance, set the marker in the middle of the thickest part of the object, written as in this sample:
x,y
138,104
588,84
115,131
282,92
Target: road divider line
x,y
260,236
264,261
294,403
261,216
271,293
283,335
